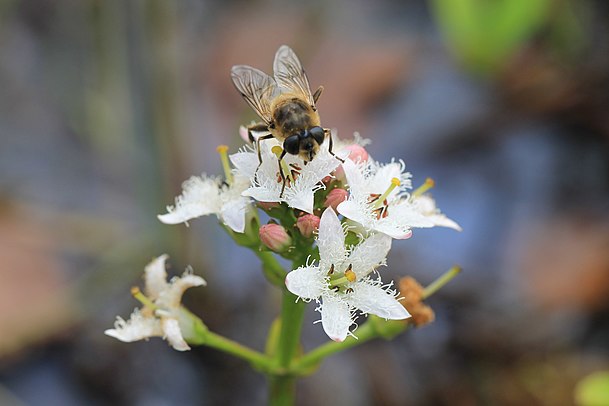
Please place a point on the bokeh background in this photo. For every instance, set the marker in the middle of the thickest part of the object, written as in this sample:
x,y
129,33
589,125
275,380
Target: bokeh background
x,y
107,106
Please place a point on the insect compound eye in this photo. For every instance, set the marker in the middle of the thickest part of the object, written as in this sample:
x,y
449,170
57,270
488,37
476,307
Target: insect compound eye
x,y
318,134
292,144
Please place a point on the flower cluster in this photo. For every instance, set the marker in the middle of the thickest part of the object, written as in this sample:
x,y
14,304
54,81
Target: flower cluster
x,y
354,205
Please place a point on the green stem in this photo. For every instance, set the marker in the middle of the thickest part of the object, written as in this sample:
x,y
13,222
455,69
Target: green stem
x,y
272,269
312,359
255,358
441,281
292,314
283,384
282,390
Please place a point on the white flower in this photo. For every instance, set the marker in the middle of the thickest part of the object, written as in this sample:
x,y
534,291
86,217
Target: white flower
x,y
341,280
162,314
377,199
266,183
426,205
203,195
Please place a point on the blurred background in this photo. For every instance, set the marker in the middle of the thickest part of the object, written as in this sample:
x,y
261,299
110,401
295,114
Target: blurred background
x,y
107,106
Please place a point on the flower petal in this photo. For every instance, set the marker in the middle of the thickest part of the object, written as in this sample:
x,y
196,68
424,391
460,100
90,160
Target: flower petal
x,y
245,163
371,253
306,282
427,206
335,317
155,277
233,214
330,240
136,328
171,297
200,196
173,334
371,298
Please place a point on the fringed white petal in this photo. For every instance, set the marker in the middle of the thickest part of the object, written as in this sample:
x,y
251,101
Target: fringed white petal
x,y
371,253
155,277
200,196
173,334
306,282
372,298
335,317
426,205
233,214
331,240
136,328
171,297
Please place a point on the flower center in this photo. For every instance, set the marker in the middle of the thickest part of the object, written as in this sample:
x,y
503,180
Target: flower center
x,y
428,184
338,283
378,202
223,151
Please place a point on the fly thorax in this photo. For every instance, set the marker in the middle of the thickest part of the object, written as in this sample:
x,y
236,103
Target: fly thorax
x,y
292,116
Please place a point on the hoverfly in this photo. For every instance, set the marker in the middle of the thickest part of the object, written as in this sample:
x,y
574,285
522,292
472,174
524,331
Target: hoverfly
x,y
286,106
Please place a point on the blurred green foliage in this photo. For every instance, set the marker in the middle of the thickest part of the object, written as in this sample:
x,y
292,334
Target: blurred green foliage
x,y
484,34
593,390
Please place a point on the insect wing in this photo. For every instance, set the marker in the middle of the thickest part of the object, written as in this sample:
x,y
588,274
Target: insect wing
x,y
257,88
290,75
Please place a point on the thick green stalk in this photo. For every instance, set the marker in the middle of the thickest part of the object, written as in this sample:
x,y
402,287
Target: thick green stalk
x,y
282,384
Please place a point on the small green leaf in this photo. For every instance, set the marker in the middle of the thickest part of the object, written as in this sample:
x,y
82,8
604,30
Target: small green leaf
x,y
593,390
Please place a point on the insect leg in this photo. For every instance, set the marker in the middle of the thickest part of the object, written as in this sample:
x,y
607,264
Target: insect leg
x,y
264,137
283,177
329,135
257,127
317,93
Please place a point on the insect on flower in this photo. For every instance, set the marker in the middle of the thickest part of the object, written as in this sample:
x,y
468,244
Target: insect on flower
x,y
286,106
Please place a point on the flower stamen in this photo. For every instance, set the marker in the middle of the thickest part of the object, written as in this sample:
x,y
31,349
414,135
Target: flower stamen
x,y
277,150
143,299
349,274
428,184
223,151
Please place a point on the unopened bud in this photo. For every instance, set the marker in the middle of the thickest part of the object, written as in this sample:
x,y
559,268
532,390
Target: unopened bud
x,y
412,296
335,197
274,237
357,153
307,224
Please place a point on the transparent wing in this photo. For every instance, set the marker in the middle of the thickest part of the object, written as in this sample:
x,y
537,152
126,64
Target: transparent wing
x,y
257,88
290,75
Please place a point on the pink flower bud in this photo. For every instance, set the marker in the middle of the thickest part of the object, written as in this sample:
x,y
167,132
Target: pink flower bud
x,y
335,197
274,237
357,153
308,224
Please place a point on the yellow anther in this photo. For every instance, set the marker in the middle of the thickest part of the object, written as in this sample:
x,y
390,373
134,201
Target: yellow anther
x,y
428,184
277,150
396,182
223,151
350,275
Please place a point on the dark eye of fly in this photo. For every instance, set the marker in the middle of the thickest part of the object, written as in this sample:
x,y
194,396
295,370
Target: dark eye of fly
x,y
318,134
292,144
